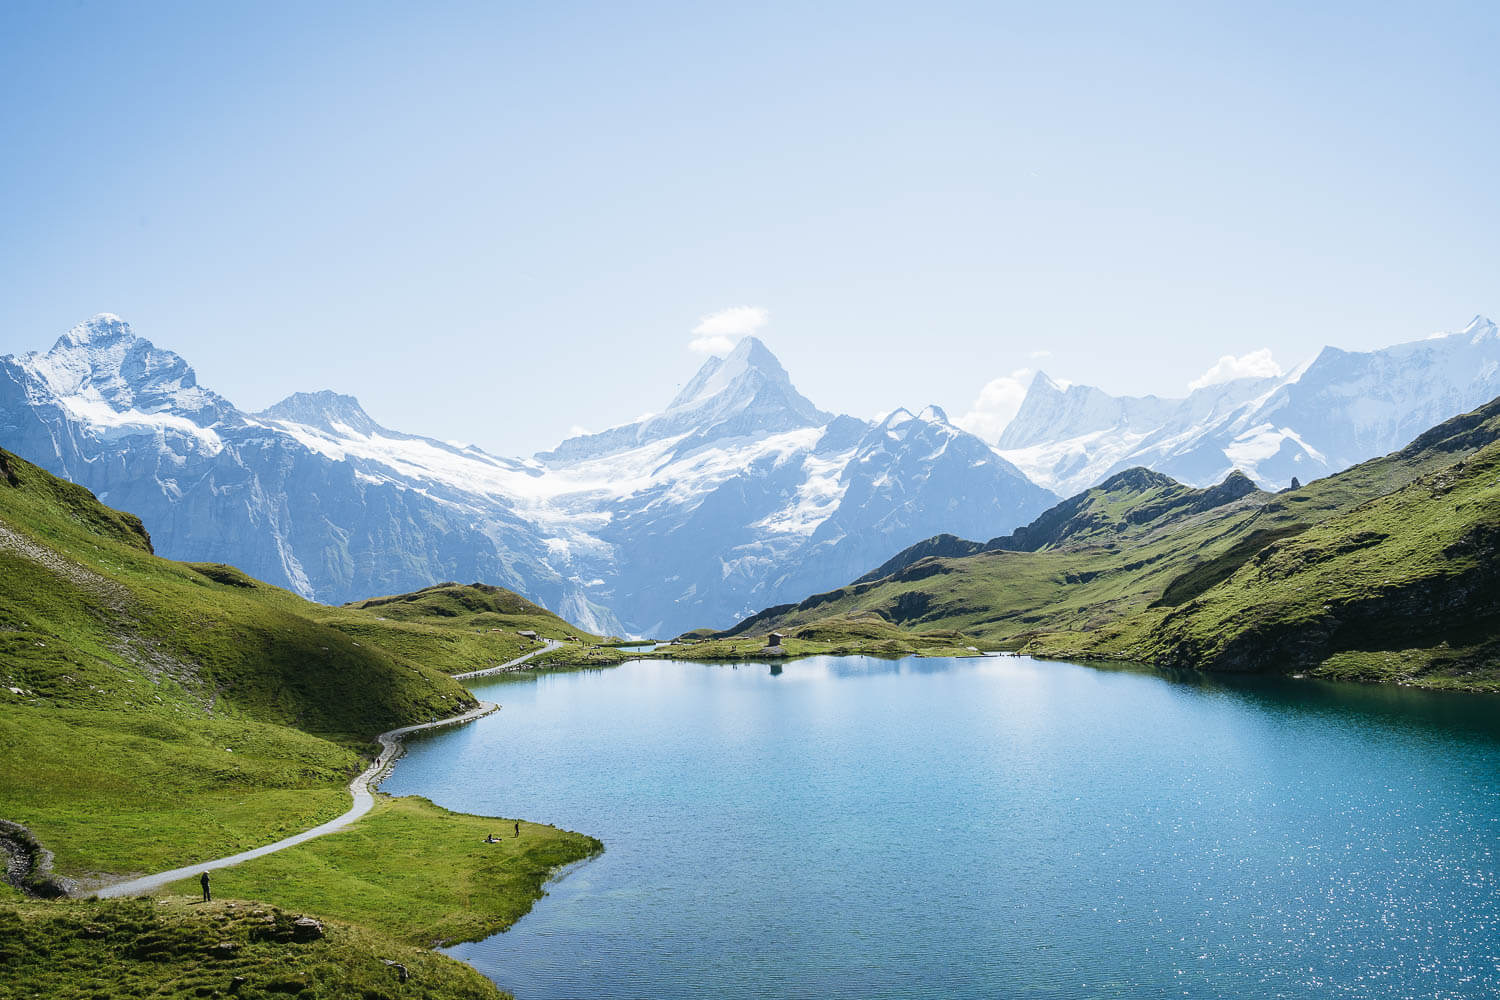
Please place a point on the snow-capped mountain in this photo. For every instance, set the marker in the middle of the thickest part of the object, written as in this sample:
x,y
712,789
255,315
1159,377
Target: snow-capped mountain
x,y
1337,410
741,493
128,420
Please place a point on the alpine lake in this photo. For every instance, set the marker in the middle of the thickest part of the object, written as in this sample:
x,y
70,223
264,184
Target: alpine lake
x,y
988,827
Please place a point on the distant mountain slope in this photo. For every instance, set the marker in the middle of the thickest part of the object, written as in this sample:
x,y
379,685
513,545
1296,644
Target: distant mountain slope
x,y
1339,409
1402,584
1105,513
1086,549
739,492
152,711
155,713
1364,573
90,618
116,414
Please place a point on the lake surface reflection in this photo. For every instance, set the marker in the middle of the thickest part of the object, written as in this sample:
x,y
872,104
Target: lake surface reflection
x,y
854,827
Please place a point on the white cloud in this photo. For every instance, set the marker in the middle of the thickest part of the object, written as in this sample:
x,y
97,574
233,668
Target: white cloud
x,y
1038,355
711,345
1256,364
997,405
578,430
715,332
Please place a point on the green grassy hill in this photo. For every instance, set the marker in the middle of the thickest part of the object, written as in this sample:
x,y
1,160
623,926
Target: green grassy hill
x,y
90,618
457,627
1404,586
1228,578
155,712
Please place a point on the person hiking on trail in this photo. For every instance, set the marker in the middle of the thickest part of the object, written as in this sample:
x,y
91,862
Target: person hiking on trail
x,y
518,828
204,879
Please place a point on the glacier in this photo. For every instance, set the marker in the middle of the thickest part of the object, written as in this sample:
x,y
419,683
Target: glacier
x,y
739,494
1337,410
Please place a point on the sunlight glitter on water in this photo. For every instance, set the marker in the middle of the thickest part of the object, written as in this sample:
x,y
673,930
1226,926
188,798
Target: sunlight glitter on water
x,y
967,828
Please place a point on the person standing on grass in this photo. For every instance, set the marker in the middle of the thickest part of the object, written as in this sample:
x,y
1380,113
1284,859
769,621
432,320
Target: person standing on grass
x,y
204,879
518,828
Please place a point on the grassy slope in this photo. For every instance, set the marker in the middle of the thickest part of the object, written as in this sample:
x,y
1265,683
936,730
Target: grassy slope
x,y
831,636
1405,587
1105,583
457,627
100,622
482,888
157,791
1111,566
170,711
193,689
123,948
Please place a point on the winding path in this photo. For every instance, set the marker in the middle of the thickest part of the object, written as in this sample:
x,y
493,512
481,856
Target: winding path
x,y
362,788
550,645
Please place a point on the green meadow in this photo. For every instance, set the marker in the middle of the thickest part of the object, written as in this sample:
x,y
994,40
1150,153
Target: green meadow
x,y
153,713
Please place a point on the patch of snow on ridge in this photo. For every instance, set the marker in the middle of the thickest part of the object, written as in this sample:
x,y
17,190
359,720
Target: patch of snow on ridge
x,y
1060,465
1254,446
420,460
108,423
704,470
816,499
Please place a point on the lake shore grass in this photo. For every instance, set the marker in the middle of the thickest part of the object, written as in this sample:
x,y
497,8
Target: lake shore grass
x,y
133,792
153,713
837,637
172,950
413,870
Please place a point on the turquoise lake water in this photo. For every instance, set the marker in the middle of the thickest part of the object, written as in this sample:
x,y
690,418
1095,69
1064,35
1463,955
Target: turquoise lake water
x,y
997,827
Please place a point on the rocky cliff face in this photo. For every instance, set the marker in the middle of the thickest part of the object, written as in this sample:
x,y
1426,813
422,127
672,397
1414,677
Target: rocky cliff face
x,y
739,492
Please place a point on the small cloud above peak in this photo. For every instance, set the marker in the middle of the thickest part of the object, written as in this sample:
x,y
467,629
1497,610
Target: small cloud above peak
x,y
998,403
716,333
1256,364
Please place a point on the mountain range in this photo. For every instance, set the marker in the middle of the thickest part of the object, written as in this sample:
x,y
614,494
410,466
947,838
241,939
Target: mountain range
x,y
740,493
1339,409
1384,571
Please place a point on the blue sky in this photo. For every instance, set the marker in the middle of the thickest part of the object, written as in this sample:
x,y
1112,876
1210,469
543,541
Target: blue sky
x,y
496,222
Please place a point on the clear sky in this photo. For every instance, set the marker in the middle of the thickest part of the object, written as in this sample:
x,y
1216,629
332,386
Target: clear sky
x,y
496,222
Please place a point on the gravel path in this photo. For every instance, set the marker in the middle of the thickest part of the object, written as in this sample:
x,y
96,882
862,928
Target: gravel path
x,y
551,644
362,788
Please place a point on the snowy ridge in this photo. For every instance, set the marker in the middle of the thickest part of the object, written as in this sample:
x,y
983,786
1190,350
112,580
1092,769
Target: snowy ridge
x,y
1337,410
740,493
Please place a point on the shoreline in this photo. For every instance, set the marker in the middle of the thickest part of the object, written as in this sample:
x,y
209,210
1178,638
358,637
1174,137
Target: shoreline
x,y
362,788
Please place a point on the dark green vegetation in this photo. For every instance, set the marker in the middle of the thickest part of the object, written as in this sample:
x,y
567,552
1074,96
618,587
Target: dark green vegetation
x,y
833,636
135,792
460,627
838,636
484,888
1382,572
90,619
155,712
141,948
199,710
